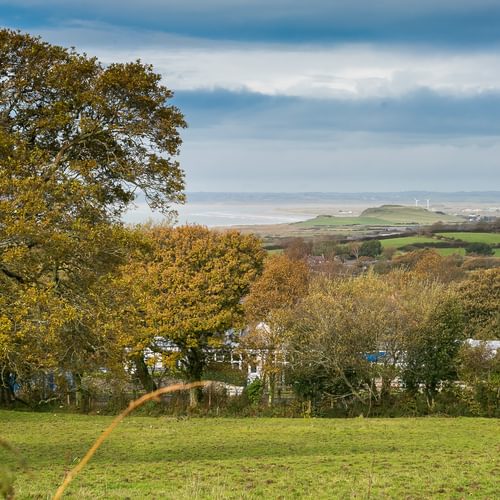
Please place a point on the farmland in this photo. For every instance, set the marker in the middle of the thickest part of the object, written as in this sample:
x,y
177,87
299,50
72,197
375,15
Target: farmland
x,y
257,458
330,220
444,252
441,238
405,241
490,238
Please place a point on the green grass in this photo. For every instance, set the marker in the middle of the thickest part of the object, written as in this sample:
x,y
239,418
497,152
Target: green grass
x,y
450,251
275,251
406,240
490,238
327,220
258,458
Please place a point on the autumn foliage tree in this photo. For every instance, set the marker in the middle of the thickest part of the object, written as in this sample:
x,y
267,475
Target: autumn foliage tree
x,y
190,290
350,338
78,140
480,298
427,264
272,298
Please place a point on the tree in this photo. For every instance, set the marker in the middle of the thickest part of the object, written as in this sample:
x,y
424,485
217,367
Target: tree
x,y
354,249
427,264
271,298
352,337
479,368
431,355
326,342
77,141
370,248
105,130
298,249
327,248
479,295
190,292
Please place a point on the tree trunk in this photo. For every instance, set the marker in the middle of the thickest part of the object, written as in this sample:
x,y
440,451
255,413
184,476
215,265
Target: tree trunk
x,y
6,394
271,388
82,394
385,391
143,374
194,365
5,397
430,394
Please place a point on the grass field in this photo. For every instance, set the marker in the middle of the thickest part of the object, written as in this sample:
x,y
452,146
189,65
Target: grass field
x,y
490,238
258,458
330,220
406,240
450,251
275,251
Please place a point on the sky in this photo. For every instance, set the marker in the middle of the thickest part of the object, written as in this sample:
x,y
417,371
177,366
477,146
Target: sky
x,y
316,95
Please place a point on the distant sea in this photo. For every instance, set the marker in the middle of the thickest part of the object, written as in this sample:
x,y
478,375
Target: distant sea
x,y
213,215
238,209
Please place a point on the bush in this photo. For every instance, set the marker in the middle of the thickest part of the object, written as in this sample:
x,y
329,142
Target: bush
x,y
370,248
254,391
479,249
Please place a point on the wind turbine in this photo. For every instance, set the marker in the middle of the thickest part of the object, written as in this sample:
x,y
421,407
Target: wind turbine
x,y
428,204
416,202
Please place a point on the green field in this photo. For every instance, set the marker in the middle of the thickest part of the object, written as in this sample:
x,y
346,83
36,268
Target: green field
x,y
450,251
406,240
490,238
330,220
275,251
386,215
147,457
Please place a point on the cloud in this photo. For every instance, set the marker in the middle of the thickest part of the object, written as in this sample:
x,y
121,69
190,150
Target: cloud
x,y
442,22
347,71
345,95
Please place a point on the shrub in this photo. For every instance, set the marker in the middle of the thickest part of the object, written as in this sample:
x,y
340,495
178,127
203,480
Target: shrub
x,y
254,391
479,249
370,248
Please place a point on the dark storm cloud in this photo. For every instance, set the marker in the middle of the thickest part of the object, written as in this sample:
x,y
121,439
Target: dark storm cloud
x,y
453,22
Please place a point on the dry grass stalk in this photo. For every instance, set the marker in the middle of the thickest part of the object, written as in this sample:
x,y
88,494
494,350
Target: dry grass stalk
x,y
130,408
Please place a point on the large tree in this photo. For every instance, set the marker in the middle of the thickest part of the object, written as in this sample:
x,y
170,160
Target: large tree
x,y
352,337
189,292
480,298
272,297
78,140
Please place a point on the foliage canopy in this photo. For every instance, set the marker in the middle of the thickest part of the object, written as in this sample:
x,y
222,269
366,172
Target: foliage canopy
x,y
78,140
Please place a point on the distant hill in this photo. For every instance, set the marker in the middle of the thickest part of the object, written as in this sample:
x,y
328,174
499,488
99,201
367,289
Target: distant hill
x,y
399,214
385,215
